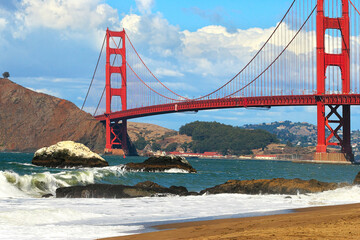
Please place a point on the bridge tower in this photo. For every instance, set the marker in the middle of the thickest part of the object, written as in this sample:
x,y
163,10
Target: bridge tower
x,y
342,60
116,133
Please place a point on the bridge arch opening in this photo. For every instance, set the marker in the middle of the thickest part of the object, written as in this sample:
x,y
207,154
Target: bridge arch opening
x,y
333,8
115,42
115,79
333,41
116,60
333,84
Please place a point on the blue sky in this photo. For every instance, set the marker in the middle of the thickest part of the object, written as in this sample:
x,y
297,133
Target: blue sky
x,y
52,46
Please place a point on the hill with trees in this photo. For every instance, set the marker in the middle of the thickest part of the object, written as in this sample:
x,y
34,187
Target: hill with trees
x,y
290,133
225,139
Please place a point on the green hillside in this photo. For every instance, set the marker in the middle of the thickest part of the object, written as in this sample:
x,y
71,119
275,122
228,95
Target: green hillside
x,y
225,139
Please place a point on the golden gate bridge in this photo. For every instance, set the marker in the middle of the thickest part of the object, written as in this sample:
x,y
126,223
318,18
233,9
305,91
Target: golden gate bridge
x,y
312,58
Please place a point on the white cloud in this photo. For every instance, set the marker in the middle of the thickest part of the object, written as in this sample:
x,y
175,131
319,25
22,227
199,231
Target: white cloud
x,y
144,6
47,91
73,19
3,23
207,51
131,23
164,72
155,32
176,86
66,14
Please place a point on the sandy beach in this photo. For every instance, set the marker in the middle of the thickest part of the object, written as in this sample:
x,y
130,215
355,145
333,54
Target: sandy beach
x,y
330,222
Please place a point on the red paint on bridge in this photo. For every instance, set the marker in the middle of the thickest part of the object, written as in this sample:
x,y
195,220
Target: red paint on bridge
x,y
309,100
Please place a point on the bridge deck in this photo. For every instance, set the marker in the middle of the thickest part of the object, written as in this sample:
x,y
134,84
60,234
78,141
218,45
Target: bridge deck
x,y
299,100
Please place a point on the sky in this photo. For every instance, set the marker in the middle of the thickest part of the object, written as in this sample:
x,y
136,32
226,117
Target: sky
x,y
52,46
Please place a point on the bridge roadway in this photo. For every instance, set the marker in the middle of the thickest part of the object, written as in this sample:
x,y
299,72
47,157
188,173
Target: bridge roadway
x,y
242,102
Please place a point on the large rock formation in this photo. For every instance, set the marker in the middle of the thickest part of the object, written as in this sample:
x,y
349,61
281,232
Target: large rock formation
x,y
272,186
144,189
161,163
68,154
30,120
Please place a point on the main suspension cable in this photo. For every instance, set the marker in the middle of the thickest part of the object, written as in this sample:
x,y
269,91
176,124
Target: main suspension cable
x,y
93,77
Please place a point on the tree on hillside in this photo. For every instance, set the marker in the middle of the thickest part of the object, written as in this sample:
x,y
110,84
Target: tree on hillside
x,y
155,146
140,143
185,146
171,147
6,75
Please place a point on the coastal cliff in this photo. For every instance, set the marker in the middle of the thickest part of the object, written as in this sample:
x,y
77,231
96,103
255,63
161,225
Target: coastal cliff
x,y
30,120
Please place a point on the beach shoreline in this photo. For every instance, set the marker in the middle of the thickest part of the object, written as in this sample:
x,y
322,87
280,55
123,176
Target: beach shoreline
x,y
325,222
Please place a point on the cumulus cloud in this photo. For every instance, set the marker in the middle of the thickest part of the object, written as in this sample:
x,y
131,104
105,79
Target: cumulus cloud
x,y
66,14
3,23
161,72
205,51
144,6
154,33
73,19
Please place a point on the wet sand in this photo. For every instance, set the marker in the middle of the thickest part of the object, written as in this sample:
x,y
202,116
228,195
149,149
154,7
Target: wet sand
x,y
332,222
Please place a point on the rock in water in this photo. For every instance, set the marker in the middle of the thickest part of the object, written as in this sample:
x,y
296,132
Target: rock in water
x,y
144,189
162,163
68,154
272,186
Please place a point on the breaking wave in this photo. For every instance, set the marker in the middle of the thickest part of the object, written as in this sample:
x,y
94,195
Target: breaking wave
x,y
14,185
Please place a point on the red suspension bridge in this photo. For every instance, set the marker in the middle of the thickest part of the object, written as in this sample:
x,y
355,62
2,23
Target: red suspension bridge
x,y
312,58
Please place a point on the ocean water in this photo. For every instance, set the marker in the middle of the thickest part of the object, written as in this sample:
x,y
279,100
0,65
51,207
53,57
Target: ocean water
x,y
25,215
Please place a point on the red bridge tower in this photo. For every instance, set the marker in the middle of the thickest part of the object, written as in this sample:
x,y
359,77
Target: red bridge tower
x,y
116,133
342,61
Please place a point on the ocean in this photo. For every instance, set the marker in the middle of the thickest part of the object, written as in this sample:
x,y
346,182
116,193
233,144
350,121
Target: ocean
x,y
25,215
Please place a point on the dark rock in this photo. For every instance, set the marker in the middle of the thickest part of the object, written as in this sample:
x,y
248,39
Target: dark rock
x,y
144,189
68,154
161,163
272,186
47,195
179,190
149,185
357,179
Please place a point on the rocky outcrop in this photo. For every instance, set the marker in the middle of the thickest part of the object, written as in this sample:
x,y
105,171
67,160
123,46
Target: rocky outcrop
x,y
161,163
67,154
30,120
357,179
144,189
272,186
150,189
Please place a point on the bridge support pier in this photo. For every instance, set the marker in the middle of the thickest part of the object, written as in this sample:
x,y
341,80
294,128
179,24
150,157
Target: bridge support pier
x,y
342,60
333,122
116,137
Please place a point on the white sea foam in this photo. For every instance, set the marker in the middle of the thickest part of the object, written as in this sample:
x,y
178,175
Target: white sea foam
x,y
23,164
7,190
38,184
176,170
34,218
